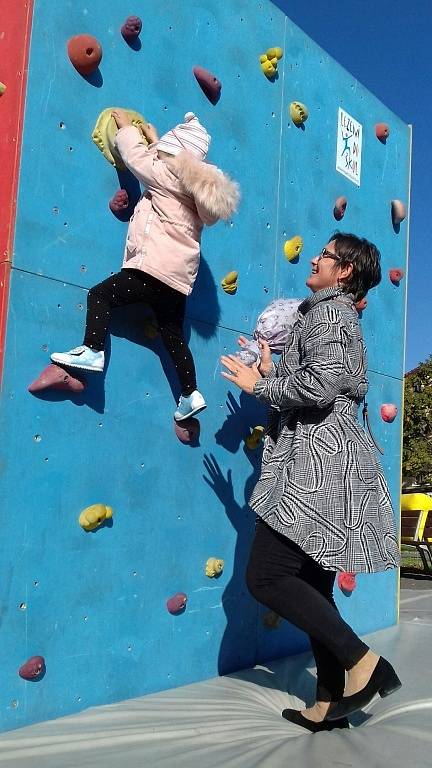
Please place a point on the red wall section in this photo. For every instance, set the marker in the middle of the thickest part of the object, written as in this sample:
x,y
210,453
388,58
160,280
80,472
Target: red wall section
x,y
15,26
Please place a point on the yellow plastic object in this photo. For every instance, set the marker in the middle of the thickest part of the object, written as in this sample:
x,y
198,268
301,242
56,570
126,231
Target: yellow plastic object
x,y
150,329
415,501
299,112
2,89
214,567
105,131
268,68
93,516
263,58
255,437
274,53
230,282
293,247
271,620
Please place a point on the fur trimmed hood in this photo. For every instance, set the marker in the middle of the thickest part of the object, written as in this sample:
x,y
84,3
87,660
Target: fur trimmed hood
x,y
212,189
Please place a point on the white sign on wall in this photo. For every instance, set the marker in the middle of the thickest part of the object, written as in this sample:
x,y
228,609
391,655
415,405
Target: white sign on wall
x,y
349,146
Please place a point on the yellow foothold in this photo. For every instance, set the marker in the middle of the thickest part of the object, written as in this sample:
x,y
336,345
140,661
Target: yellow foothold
x,y
214,567
105,131
268,68
271,620
92,517
293,247
230,282
299,112
2,89
255,437
150,329
274,53
263,58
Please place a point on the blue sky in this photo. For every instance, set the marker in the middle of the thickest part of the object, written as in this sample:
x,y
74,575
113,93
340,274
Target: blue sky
x,y
386,45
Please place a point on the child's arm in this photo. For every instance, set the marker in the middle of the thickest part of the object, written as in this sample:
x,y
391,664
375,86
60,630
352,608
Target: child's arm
x,y
134,152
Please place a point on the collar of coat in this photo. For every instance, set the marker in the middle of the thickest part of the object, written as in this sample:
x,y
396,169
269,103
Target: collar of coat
x,y
323,295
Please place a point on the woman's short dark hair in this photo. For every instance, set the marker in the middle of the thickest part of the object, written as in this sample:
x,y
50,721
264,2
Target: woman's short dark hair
x,y
365,259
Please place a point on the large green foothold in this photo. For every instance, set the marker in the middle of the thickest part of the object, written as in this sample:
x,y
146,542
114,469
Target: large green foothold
x,y
105,131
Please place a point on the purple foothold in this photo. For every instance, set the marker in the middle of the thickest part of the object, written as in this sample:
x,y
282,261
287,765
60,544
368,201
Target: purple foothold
x,y
177,603
188,430
55,377
208,83
33,669
119,202
131,28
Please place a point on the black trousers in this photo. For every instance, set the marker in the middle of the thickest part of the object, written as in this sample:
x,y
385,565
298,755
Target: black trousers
x,y
283,577
132,286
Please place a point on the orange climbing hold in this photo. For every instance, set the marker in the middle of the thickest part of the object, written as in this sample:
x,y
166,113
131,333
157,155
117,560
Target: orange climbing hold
x,y
396,275
55,377
382,132
85,53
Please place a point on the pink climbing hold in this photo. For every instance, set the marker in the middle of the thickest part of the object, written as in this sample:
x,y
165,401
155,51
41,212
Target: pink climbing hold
x,y
340,208
187,431
347,582
119,202
389,412
33,669
54,377
208,83
382,132
131,28
396,275
177,603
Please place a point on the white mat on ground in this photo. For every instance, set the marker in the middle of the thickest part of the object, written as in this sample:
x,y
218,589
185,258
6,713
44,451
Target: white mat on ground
x,y
235,721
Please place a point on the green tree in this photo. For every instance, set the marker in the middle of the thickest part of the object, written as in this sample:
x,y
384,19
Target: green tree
x,y
417,425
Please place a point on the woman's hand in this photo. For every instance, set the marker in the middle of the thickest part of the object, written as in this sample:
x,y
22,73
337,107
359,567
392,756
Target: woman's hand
x,y
121,117
266,361
240,374
149,132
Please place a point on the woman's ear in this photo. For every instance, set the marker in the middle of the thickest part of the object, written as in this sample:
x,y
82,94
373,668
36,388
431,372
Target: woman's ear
x,y
345,271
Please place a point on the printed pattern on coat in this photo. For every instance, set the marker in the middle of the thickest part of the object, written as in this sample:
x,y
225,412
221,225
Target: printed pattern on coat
x,y
321,484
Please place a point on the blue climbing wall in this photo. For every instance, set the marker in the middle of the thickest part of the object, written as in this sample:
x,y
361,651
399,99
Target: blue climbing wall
x,y
93,604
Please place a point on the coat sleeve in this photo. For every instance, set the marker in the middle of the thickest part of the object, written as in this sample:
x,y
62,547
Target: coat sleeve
x,y
135,153
321,376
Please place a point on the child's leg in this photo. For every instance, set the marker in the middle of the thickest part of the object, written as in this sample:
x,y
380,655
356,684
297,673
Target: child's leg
x,y
169,307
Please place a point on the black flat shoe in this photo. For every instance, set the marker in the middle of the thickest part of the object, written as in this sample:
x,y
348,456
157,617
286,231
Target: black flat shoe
x,y
294,716
383,680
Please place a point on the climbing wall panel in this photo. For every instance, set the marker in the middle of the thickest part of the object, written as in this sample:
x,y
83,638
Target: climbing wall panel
x,y
94,603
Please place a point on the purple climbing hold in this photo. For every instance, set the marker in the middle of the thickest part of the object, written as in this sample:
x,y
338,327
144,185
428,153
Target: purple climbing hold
x,y
131,28
208,83
187,431
119,202
177,603
55,377
33,669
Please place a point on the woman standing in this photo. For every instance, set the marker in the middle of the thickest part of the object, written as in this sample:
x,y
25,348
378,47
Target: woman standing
x,y
322,501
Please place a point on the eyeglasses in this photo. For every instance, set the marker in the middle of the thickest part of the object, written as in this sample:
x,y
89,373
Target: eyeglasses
x,y
325,254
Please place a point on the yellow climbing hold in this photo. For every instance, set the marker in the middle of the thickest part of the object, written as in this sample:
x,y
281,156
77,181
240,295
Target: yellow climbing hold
x,y
2,89
230,282
268,68
93,516
274,53
214,567
299,112
105,131
255,437
293,247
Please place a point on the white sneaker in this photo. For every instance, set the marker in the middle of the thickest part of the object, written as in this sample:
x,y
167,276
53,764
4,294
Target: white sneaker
x,y
188,406
81,357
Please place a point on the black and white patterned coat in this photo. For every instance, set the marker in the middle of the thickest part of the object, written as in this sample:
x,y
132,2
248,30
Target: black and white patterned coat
x,y
321,484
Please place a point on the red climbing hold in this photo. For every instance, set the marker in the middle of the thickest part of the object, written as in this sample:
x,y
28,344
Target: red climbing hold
x,y
54,377
208,83
389,412
177,603
131,28
188,430
382,132
85,53
33,669
347,582
119,202
361,305
396,275
340,208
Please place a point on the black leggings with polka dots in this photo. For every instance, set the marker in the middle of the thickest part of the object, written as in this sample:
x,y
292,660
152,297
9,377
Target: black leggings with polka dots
x,y
132,286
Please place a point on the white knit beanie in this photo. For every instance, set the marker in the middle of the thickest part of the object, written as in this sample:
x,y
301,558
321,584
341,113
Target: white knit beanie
x,y
189,136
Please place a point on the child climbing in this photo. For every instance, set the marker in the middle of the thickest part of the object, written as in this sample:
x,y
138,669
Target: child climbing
x,y
162,252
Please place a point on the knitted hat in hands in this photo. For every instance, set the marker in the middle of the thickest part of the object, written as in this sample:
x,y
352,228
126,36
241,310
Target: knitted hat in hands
x,y
189,136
